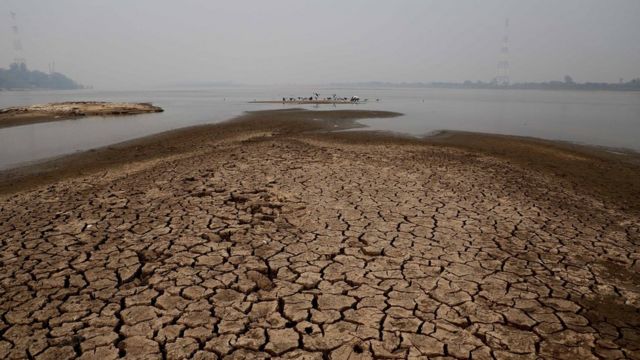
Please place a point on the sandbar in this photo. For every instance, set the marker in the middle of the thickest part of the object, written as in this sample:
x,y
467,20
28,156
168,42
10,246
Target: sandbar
x,y
23,115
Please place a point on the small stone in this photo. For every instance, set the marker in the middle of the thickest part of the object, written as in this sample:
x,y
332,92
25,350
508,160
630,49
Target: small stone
x,y
140,347
281,340
57,353
335,302
309,280
137,314
181,349
252,340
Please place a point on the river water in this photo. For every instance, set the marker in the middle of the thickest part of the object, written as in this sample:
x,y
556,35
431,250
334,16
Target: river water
x,y
610,119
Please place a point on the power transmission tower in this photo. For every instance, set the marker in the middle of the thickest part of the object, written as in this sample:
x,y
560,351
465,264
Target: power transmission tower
x,y
17,43
502,78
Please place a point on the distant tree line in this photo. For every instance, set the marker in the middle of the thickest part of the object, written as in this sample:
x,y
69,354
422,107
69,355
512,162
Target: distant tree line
x,y
17,76
567,84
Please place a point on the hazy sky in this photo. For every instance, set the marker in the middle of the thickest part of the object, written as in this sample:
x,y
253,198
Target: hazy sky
x,y
139,43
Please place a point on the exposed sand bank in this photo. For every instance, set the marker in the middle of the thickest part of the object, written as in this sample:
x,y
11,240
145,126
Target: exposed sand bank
x,y
268,235
22,115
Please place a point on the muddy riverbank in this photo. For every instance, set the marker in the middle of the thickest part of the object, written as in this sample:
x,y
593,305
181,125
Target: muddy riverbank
x,y
270,235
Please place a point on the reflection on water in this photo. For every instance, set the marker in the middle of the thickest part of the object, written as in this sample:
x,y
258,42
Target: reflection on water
x,y
600,118
44,140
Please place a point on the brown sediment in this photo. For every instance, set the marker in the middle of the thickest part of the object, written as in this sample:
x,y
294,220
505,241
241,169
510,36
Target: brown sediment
x,y
23,115
270,236
611,176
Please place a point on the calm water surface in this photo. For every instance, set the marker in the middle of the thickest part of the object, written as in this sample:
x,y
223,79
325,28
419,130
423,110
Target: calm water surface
x,y
609,119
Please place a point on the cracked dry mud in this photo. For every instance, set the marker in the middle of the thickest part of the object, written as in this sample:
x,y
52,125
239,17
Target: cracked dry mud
x,y
292,245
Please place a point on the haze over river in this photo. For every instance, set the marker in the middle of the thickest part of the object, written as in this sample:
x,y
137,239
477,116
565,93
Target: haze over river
x,y
610,119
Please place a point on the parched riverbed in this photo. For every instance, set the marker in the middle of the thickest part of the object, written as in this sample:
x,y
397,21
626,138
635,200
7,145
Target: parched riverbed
x,y
268,236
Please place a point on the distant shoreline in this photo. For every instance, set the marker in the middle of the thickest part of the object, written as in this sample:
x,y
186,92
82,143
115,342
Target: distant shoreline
x,y
631,86
479,88
41,89
374,86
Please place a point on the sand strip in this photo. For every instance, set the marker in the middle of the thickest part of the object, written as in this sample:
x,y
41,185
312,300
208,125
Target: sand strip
x,y
23,115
